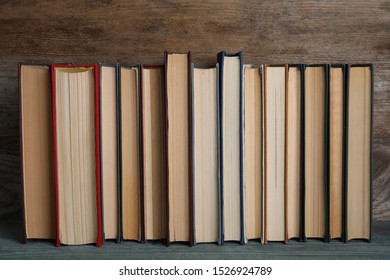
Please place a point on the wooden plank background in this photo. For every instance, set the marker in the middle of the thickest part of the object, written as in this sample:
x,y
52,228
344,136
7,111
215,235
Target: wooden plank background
x,y
139,32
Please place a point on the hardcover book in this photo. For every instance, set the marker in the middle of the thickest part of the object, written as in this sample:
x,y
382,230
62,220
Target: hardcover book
x,y
109,149
358,178
153,152
36,152
205,154
294,152
178,106
316,152
231,145
76,132
336,149
130,155
253,177
275,91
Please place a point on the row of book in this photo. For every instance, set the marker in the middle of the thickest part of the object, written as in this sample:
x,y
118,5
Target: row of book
x,y
181,153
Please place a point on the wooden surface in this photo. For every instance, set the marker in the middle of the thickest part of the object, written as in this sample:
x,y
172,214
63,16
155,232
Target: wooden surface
x,y
139,32
11,248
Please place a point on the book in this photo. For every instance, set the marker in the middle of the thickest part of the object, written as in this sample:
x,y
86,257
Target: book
x,y
76,135
153,153
205,154
336,149
253,177
275,91
36,152
130,159
294,152
178,147
358,177
109,149
316,152
231,145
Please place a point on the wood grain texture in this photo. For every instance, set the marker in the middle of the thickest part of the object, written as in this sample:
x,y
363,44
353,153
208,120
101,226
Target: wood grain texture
x,y
139,31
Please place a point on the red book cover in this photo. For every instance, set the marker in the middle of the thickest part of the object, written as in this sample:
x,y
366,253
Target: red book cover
x,y
60,162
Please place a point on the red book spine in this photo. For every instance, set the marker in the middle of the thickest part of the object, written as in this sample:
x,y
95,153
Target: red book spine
x,y
53,105
99,240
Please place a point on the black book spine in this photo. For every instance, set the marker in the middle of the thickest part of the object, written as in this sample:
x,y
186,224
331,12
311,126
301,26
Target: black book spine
x,y
220,60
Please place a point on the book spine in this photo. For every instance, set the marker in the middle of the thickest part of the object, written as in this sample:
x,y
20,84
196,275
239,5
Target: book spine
x,y
303,155
142,155
327,157
164,144
190,155
371,143
219,155
244,66
55,165
344,154
165,107
285,156
97,153
262,153
265,239
101,152
242,208
193,156
220,59
119,129
24,236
